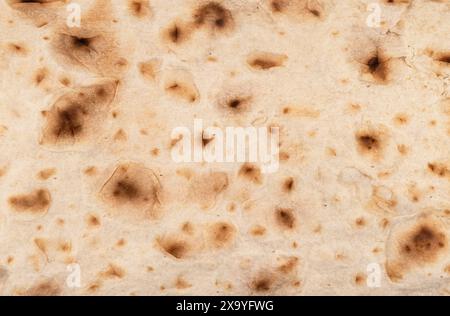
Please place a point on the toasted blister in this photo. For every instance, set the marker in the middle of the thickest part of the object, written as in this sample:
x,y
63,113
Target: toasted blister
x,y
417,246
93,46
179,84
78,116
132,191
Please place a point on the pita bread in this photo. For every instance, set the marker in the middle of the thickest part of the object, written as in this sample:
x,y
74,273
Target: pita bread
x,y
93,203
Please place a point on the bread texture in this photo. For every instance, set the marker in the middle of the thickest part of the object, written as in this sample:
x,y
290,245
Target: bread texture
x,y
98,99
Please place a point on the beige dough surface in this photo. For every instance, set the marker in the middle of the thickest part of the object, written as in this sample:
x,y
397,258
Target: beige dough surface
x,y
93,203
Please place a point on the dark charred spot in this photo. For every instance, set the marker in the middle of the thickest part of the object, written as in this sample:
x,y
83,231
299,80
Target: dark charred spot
x,y
424,243
285,218
445,59
206,140
81,42
35,202
234,103
368,142
126,190
175,33
315,12
373,63
378,68
372,141
439,169
397,2
70,121
263,284
213,15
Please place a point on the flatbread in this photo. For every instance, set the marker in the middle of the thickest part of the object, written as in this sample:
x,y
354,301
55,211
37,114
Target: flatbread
x,y
95,202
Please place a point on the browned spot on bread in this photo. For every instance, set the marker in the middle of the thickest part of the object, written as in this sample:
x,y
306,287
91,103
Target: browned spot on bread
x,y
93,220
121,242
377,65
177,248
206,188
206,139
93,46
45,174
360,278
120,135
443,58
77,116
302,10
440,169
65,246
41,244
372,141
278,5
289,184
235,104
40,75
180,85
289,265
113,271
17,49
397,2
149,68
36,202
178,32
187,228
258,230
213,16
139,8
90,171
65,81
401,119
264,60
360,222
447,269
423,244
402,149
221,234
263,283
181,283
285,218
251,172
132,189
44,288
